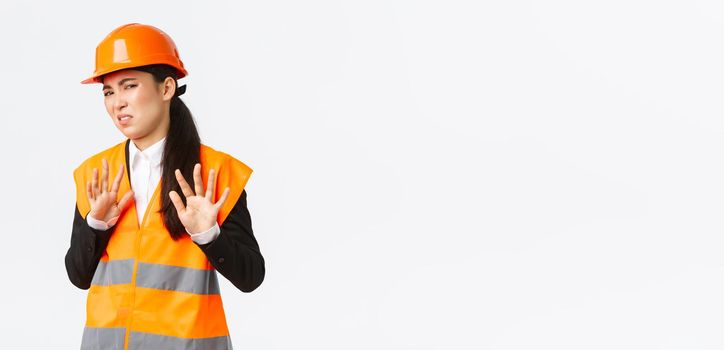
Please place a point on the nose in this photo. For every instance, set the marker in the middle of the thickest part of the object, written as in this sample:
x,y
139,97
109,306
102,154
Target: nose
x,y
119,102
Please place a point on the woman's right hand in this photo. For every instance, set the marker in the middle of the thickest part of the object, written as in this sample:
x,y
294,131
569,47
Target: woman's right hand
x,y
103,200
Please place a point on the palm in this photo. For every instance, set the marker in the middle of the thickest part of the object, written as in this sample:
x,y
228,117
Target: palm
x,y
102,198
198,210
105,200
199,213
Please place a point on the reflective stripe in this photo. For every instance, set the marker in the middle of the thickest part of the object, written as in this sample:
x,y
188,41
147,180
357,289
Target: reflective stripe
x,y
103,338
113,272
180,279
147,341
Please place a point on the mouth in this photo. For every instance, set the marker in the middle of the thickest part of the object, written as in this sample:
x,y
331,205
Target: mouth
x,y
123,119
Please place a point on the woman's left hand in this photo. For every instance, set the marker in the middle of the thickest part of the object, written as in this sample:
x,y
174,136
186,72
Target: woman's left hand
x,y
200,212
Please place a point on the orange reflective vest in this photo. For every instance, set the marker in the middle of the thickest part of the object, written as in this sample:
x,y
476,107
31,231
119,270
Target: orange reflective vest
x,y
149,291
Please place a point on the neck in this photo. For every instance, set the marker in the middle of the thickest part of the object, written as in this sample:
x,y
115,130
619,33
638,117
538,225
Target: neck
x,y
154,136
145,142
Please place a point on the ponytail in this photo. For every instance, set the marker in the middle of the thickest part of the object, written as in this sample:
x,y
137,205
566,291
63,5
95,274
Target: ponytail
x,y
181,150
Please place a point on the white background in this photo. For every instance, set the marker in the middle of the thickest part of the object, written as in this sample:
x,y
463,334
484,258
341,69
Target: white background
x,y
427,174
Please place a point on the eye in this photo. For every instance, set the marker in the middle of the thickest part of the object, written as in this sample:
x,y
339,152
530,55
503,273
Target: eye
x,y
130,86
107,93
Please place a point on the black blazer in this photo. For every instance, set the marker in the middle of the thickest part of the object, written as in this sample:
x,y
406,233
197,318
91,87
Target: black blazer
x,y
235,252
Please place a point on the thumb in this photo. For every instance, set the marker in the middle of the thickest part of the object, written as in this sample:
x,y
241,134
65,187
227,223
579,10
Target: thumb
x,y
125,200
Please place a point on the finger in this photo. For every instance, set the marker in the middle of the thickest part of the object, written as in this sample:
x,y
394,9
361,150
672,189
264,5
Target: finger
x,y
176,200
185,188
210,186
104,176
125,200
198,182
89,191
223,198
94,182
117,180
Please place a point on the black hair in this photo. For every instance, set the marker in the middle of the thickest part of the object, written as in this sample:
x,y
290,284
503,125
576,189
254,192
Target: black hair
x,y
181,150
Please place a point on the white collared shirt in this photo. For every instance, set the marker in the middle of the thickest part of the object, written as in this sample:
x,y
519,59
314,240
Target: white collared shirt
x,y
145,170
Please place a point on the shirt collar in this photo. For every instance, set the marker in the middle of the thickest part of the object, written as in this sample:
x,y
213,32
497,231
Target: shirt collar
x,y
153,153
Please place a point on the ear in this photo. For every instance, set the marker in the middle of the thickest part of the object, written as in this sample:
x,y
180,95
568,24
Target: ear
x,y
168,88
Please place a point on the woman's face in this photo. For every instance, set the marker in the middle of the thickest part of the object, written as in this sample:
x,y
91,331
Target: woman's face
x,y
137,105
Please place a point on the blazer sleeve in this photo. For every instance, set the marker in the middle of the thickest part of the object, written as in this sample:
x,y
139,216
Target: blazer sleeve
x,y
86,248
235,252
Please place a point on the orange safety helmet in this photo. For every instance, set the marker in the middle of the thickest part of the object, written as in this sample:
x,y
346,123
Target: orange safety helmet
x,y
134,45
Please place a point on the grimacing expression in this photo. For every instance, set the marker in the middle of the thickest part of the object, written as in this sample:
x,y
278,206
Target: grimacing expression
x,y
134,101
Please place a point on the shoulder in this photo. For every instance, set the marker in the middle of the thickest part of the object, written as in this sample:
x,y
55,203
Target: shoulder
x,y
114,152
82,173
218,160
230,172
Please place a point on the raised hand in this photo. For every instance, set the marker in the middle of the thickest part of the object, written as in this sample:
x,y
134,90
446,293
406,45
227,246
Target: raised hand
x,y
200,211
103,199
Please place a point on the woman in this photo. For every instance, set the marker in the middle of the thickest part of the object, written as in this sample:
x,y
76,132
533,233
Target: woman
x,y
148,244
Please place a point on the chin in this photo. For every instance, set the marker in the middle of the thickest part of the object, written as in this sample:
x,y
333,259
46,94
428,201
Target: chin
x,y
128,133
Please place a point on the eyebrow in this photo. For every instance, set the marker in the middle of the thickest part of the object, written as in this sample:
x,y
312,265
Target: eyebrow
x,y
119,83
